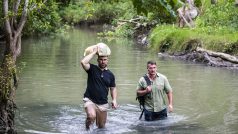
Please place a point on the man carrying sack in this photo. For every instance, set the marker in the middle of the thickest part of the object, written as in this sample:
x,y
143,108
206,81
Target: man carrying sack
x,y
100,81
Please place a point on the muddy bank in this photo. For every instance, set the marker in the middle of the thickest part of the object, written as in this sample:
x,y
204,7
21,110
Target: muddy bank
x,y
202,57
192,52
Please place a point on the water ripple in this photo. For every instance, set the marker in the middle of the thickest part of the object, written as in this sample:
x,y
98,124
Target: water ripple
x,y
123,120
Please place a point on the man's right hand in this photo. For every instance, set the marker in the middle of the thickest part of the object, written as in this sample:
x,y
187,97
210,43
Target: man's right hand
x,y
95,50
148,89
85,61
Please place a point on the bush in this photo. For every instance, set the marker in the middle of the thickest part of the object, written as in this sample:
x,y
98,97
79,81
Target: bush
x,y
173,39
88,11
43,20
220,16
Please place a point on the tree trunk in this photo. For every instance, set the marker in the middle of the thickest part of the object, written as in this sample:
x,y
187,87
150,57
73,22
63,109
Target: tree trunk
x,y
8,83
7,93
13,25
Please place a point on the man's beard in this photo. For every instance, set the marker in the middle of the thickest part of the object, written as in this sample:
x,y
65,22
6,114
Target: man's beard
x,y
152,73
102,66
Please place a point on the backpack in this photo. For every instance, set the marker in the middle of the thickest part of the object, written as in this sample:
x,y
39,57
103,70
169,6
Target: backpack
x,y
141,99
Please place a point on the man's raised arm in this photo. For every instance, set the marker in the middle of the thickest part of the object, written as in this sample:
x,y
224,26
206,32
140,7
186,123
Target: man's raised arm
x,y
85,61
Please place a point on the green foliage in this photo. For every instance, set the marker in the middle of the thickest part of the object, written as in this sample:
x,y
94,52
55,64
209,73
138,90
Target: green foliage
x,y
173,39
198,3
77,12
90,11
43,20
125,31
107,11
216,30
162,10
221,16
231,48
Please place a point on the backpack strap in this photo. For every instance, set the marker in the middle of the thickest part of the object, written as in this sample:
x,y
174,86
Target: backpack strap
x,y
147,79
148,84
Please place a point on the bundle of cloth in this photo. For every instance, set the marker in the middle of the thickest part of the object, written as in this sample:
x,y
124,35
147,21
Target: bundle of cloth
x,y
103,49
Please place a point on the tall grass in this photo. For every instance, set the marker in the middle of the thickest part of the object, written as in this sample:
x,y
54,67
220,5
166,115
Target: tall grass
x,y
173,39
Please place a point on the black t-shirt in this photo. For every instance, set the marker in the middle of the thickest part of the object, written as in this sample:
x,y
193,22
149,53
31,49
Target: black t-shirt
x,y
98,84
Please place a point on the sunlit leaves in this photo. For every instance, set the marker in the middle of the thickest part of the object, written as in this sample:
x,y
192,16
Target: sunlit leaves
x,y
161,10
145,6
220,16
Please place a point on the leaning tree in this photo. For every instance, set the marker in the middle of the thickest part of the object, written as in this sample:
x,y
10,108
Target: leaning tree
x,y
13,17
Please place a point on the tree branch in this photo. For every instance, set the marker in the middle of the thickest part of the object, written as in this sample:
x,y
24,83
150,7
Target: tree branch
x,y
5,14
18,46
23,18
15,9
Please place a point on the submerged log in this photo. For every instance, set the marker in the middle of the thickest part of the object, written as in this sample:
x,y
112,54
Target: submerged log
x,y
223,56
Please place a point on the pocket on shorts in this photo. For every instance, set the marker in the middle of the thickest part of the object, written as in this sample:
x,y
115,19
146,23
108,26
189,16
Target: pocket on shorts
x,y
103,107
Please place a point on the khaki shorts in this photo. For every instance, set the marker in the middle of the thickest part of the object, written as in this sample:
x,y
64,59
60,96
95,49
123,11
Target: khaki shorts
x,y
88,102
94,111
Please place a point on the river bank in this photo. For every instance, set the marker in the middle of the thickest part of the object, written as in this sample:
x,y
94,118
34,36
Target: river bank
x,y
217,50
207,57
201,57
189,49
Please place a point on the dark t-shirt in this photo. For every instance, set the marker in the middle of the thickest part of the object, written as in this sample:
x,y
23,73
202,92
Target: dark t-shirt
x,y
98,84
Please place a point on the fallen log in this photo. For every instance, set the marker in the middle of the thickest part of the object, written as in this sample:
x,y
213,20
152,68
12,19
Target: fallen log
x,y
223,56
132,21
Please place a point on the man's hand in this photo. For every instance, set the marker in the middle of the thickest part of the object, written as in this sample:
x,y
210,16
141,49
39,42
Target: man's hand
x,y
170,107
114,104
96,49
148,89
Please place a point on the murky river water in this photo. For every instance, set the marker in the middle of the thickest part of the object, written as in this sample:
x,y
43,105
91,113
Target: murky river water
x,y
52,83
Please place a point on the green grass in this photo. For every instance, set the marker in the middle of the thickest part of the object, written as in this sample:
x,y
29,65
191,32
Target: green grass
x,y
173,39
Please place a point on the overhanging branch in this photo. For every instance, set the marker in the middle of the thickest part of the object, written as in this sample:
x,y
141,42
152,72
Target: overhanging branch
x,y
23,18
6,20
15,10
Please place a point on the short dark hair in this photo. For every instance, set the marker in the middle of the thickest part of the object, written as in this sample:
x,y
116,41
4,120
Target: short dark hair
x,y
103,56
151,62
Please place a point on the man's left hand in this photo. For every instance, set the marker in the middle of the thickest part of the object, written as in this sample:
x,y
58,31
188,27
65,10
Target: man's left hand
x,y
170,107
114,104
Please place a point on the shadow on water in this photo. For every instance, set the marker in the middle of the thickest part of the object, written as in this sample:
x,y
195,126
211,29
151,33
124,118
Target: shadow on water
x,y
71,120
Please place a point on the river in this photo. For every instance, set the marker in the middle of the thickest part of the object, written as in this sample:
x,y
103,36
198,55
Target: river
x,y
52,83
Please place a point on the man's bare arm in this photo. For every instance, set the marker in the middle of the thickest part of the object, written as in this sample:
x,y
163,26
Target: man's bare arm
x,y
170,101
113,92
85,61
